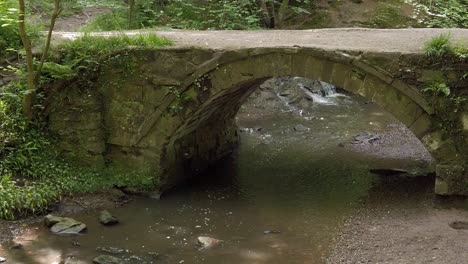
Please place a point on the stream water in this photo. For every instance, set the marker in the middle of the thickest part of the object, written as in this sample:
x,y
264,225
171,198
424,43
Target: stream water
x,y
281,198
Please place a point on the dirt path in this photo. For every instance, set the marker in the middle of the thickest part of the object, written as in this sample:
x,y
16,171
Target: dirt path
x,y
76,21
358,39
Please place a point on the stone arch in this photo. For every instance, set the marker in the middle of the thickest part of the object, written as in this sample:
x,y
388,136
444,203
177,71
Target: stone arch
x,y
207,132
172,110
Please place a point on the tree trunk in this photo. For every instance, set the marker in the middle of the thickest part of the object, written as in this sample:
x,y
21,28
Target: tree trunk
x,y
267,18
28,98
131,10
55,14
281,12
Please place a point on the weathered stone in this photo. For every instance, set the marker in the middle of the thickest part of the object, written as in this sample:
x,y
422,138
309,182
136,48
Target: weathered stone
x,y
106,259
185,101
461,225
300,128
50,220
106,218
68,226
451,179
73,261
112,250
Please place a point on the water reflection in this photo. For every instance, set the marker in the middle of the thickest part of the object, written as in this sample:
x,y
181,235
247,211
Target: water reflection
x,y
297,182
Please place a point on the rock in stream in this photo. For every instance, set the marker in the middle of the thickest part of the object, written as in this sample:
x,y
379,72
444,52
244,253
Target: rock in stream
x,y
106,259
106,218
64,225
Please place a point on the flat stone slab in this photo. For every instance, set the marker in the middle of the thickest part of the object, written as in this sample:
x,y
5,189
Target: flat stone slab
x,y
68,226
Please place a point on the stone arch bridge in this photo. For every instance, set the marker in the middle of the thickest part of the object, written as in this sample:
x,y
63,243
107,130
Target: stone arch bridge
x,y
170,111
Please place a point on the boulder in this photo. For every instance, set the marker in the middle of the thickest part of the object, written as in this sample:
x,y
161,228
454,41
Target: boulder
x,y
208,242
107,218
300,128
112,250
106,259
68,226
460,225
50,220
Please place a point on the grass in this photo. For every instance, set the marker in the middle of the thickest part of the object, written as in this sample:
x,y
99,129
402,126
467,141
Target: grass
x,y
438,46
32,174
116,20
389,15
93,45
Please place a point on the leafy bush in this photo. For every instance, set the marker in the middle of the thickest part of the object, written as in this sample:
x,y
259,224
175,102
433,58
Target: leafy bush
x,y
32,174
222,14
438,88
441,14
9,35
389,16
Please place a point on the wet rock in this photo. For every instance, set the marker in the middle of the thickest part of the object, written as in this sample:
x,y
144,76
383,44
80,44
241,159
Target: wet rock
x,y
112,250
2,259
460,225
154,255
135,258
365,137
154,195
73,261
68,226
106,259
208,242
106,218
50,220
300,128
15,245
268,232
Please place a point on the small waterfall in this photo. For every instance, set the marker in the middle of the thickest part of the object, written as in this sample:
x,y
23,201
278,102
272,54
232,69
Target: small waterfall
x,y
327,90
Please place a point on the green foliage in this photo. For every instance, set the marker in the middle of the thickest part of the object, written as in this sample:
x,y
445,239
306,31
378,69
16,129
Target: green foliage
x,y
88,52
438,46
115,20
438,88
9,35
32,174
389,15
223,14
448,13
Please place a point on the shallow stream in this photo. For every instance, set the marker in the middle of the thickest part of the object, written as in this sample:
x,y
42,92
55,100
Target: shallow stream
x,y
280,199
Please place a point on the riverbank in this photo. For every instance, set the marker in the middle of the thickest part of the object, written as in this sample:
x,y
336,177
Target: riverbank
x,y
65,207
415,229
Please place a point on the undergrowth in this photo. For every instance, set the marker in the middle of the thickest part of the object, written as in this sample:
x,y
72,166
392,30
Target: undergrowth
x,y
32,173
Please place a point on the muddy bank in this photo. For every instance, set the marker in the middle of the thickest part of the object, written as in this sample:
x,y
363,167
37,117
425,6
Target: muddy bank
x,y
66,207
415,229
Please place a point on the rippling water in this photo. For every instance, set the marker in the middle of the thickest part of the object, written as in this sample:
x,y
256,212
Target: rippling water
x,y
298,183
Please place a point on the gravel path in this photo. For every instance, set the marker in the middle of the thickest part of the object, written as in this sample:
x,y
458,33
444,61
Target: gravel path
x,y
356,39
395,230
